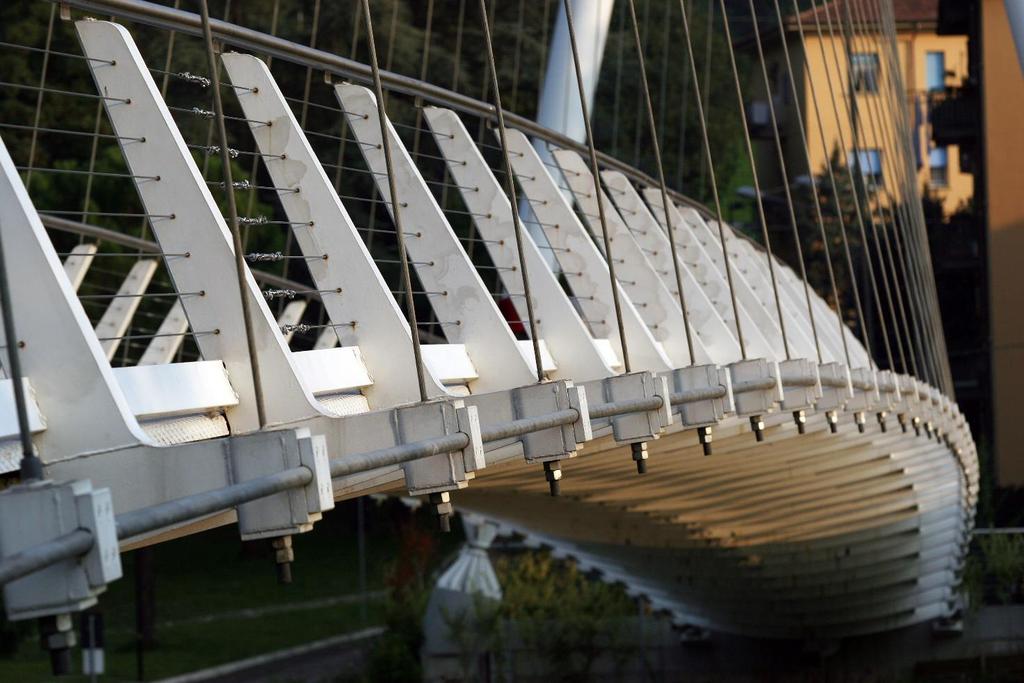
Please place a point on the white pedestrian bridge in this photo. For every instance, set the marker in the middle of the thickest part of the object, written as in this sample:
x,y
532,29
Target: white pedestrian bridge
x,y
788,487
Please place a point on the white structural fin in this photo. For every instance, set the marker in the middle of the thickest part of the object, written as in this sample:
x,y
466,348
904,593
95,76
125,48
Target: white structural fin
x,y
170,184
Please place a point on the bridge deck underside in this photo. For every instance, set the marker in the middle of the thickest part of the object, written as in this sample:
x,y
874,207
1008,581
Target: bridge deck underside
x,y
828,535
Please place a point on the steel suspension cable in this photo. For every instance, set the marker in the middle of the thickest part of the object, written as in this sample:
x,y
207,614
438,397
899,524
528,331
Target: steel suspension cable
x,y
510,188
812,179
684,109
542,62
849,106
428,35
595,172
396,206
392,38
457,55
616,99
663,79
343,126
661,180
916,230
777,137
831,173
31,467
915,266
852,108
894,207
912,191
891,131
702,117
885,161
757,183
313,29
518,52
709,37
834,185
39,97
210,125
275,13
303,115
236,237
638,131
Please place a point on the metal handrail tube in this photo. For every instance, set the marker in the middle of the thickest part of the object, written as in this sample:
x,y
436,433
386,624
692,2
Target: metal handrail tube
x,y
182,21
753,385
155,517
396,455
799,380
145,520
633,405
863,385
37,557
835,382
527,425
695,395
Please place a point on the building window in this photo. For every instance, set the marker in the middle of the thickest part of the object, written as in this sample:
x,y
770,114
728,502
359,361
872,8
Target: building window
x,y
935,71
869,163
864,71
938,164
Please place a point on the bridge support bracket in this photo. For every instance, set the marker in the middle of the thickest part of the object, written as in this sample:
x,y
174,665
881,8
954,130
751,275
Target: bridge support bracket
x,y
702,395
32,515
756,389
636,428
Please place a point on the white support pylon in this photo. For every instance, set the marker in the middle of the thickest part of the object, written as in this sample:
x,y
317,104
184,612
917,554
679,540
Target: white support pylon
x,y
169,183
361,308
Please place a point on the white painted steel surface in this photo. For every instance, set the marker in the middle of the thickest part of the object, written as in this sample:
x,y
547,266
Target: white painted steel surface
x,y
814,535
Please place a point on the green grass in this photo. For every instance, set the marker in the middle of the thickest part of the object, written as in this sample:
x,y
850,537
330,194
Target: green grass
x,y
212,573
189,647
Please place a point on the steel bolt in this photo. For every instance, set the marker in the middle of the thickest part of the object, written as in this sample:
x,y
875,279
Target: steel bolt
x,y
57,637
757,426
902,419
284,555
832,417
441,501
639,451
553,473
704,437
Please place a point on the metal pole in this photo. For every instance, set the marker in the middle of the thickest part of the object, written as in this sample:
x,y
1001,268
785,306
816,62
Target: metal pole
x,y
31,465
236,237
656,145
396,207
145,520
517,228
361,541
595,172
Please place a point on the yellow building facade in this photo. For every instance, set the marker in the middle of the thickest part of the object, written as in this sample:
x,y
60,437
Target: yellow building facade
x,y
929,63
